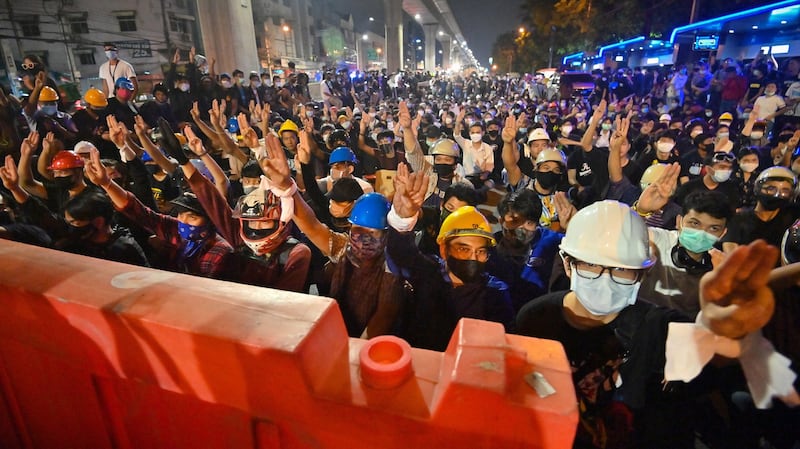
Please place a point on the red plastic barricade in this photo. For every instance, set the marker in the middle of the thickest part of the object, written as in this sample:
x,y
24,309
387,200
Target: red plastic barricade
x,y
95,354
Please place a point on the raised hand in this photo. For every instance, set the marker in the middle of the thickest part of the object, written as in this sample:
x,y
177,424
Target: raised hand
x,y
195,144
303,148
29,144
249,136
117,131
658,193
192,54
620,136
734,296
510,129
176,58
48,144
598,113
275,165
41,78
403,116
410,190
564,209
195,111
9,175
140,127
95,171
214,112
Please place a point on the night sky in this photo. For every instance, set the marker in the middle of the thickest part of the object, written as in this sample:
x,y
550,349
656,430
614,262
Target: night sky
x,y
481,21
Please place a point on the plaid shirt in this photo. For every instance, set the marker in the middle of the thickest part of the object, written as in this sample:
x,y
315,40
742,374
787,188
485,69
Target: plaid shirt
x,y
208,262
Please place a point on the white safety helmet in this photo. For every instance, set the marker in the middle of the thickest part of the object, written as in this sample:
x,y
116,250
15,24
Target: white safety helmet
x,y
538,134
609,233
652,174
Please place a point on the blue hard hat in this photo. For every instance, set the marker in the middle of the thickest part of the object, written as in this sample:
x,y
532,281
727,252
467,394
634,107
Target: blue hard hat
x,y
342,154
233,125
124,82
370,211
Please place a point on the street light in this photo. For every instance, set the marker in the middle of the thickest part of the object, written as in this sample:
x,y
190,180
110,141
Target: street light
x,y
286,40
371,19
441,33
365,37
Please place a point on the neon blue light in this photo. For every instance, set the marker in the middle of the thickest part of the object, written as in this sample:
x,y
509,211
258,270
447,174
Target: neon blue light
x,y
624,43
572,56
729,17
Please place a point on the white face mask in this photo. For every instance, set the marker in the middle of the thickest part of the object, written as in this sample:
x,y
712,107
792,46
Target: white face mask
x,y
749,167
448,121
603,296
226,84
475,137
346,125
337,174
664,147
756,135
721,175
309,114
566,130
184,87
111,54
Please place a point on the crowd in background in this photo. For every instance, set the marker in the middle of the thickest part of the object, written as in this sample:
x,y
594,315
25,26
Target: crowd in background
x,y
414,200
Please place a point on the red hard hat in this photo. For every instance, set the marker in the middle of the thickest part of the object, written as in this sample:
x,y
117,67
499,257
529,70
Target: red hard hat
x,y
65,160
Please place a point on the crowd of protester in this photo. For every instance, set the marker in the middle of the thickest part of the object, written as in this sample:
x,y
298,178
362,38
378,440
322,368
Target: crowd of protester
x,y
415,200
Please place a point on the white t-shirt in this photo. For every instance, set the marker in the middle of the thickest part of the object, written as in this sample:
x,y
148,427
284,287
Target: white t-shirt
x,y
110,74
476,160
768,105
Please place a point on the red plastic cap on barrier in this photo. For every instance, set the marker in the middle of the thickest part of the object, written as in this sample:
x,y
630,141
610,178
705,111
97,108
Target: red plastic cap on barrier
x,y
385,362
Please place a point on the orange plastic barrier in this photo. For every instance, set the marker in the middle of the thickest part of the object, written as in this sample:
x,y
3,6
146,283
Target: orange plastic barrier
x,y
96,354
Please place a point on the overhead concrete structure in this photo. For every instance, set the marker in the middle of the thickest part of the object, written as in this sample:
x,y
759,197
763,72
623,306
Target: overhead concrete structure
x,y
437,21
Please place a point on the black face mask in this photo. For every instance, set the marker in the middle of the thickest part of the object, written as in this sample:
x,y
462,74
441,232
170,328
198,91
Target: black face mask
x,y
152,169
444,214
493,133
770,202
469,271
444,170
519,236
63,182
79,232
548,180
386,148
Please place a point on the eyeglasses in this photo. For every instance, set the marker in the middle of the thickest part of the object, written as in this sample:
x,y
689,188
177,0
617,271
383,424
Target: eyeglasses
x,y
466,253
28,66
723,157
622,276
775,191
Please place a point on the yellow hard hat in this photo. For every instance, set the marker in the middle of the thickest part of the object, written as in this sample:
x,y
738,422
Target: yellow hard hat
x,y
465,221
652,174
94,97
48,94
288,125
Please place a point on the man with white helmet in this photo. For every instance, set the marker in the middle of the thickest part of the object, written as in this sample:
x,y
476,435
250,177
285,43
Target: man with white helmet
x,y
775,211
616,345
441,165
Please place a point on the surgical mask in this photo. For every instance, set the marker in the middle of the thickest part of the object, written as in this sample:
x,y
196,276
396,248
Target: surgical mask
x,y
745,115
184,87
749,167
723,135
770,202
709,113
448,121
606,126
111,54
309,114
444,170
469,271
664,147
49,109
721,175
548,180
248,189
470,122
603,296
523,130
756,135
255,83
566,130
645,110
226,84
475,137
63,182
346,125
696,240
430,142
769,93
337,174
